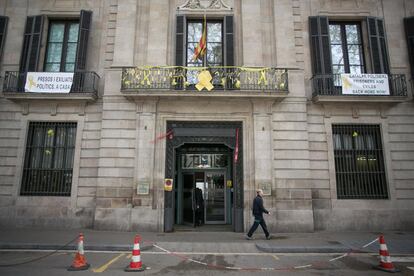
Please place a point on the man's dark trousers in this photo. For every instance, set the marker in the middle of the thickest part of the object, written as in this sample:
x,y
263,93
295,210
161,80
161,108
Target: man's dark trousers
x,y
258,220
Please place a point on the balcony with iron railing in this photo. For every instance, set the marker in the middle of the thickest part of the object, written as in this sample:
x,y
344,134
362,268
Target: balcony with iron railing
x,y
217,81
329,88
84,87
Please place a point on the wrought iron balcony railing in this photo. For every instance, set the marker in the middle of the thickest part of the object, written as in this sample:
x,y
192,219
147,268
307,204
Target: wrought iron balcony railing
x,y
331,85
205,78
83,82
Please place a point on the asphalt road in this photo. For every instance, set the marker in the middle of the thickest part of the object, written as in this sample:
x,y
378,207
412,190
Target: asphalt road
x,y
161,263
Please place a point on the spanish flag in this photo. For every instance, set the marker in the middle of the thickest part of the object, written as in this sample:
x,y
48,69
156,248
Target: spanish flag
x,y
200,50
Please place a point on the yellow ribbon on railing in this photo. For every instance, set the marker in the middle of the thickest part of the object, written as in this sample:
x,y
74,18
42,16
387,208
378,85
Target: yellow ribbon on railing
x,y
146,78
252,69
204,76
204,81
262,78
200,68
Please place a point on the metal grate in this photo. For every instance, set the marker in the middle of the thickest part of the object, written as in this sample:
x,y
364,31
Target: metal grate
x,y
359,162
49,159
229,78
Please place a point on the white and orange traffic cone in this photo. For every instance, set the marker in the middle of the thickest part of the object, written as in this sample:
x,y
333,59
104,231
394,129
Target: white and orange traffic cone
x,y
136,264
385,259
79,263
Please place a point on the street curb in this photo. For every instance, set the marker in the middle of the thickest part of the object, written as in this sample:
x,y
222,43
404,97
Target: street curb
x,y
268,248
30,246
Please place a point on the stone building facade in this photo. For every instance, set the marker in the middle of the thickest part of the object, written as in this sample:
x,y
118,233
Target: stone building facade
x,y
276,118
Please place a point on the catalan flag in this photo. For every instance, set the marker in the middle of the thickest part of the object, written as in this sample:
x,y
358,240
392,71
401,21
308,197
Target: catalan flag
x,y
236,150
200,50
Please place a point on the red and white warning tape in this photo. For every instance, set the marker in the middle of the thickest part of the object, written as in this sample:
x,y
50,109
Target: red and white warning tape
x,y
314,264
349,253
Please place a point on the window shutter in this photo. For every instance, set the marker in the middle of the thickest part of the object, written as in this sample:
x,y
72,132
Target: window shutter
x,y
229,51
228,21
29,59
409,31
3,29
180,54
320,45
378,45
84,27
321,55
179,41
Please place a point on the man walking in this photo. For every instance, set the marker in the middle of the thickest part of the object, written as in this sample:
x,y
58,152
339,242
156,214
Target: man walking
x,y
258,211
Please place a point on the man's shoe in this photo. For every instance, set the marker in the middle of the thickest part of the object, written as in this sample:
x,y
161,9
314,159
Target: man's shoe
x,y
249,238
268,237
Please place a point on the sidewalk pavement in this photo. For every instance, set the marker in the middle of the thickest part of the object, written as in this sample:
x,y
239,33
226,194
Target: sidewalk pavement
x,y
399,243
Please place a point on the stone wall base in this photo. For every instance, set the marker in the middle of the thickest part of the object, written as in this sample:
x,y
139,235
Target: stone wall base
x,y
363,220
46,217
127,219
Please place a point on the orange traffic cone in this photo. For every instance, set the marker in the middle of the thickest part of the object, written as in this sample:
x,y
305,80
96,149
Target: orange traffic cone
x,y
385,259
136,264
79,263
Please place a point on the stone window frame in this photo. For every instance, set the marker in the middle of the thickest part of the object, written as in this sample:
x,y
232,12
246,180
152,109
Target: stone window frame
x,y
360,203
69,201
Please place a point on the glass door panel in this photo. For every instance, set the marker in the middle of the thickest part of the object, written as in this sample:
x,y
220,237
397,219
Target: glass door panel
x,y
215,198
188,198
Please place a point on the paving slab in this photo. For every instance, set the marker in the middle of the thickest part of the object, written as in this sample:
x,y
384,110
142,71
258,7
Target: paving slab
x,y
214,242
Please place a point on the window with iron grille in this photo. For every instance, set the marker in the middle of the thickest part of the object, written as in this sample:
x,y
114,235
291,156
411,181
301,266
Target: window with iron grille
x,y
48,161
359,162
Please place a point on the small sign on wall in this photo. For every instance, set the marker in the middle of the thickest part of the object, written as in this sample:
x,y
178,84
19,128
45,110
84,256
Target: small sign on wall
x,y
143,188
168,184
267,188
229,184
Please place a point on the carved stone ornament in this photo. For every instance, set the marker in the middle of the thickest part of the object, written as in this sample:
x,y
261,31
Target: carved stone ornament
x,y
204,5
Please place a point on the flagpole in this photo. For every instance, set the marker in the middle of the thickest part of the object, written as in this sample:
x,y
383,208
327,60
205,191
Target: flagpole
x,y
205,35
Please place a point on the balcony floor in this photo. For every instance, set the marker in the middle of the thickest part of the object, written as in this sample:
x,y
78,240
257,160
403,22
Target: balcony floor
x,y
24,96
213,94
372,99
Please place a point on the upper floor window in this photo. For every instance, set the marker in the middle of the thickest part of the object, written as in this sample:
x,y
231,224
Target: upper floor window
x,y
409,32
204,46
346,48
218,38
3,30
337,47
66,44
213,55
61,46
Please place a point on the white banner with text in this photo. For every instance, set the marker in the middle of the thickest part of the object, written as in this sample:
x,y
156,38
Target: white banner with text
x,y
365,84
48,82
